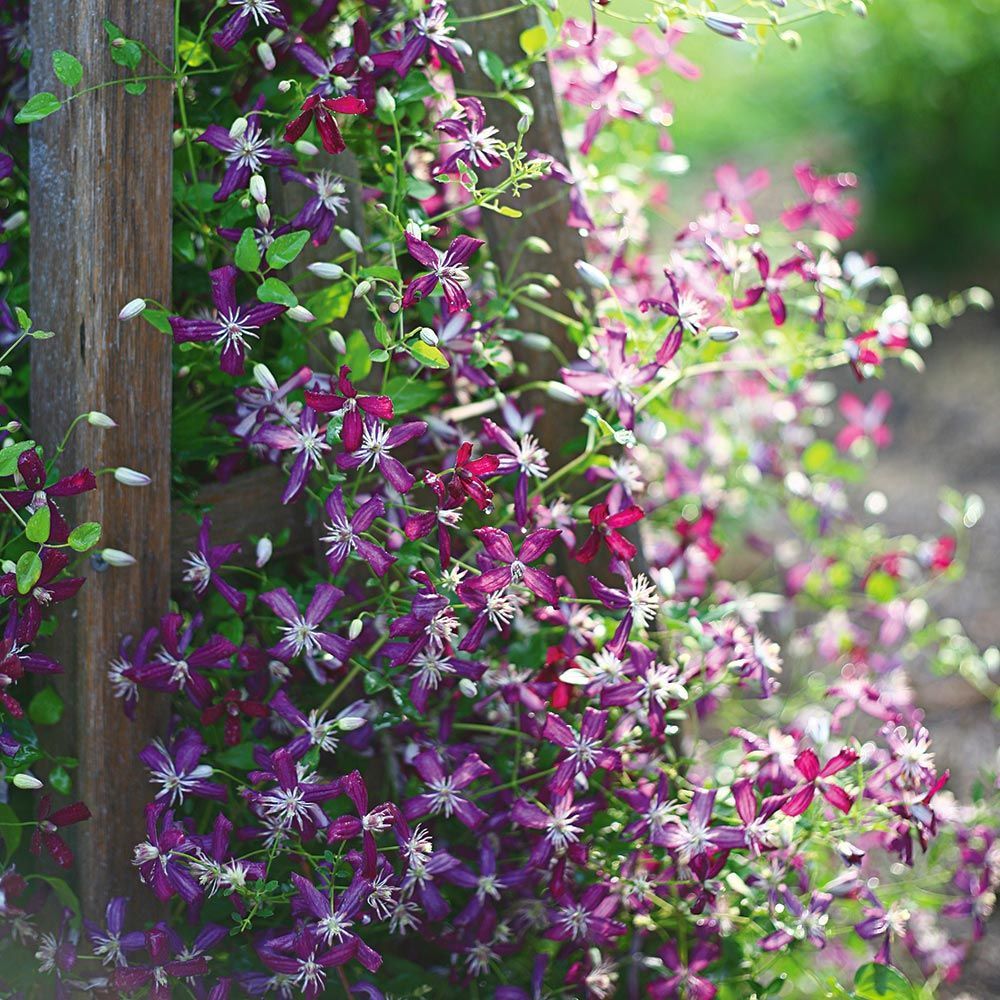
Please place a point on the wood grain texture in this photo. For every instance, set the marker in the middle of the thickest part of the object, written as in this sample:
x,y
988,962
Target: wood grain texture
x,y
100,236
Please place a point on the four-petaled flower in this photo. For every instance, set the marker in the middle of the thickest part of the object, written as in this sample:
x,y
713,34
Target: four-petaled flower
x,y
345,400
48,825
302,633
604,528
815,779
323,109
447,268
444,791
583,752
826,203
377,441
476,142
201,565
343,535
246,154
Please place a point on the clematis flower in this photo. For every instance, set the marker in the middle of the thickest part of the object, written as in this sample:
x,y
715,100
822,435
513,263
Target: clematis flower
x,y
261,12
800,921
200,568
302,632
475,142
48,825
638,599
322,109
604,528
36,494
429,34
588,919
771,283
179,771
467,478
660,47
885,922
584,752
692,835
826,203
686,979
443,796
246,154
305,439
513,568
296,802
562,824
110,942
343,536
447,268
335,918
346,400
525,456
49,589
735,192
377,441
232,705
865,423
815,779
161,969
328,201
232,327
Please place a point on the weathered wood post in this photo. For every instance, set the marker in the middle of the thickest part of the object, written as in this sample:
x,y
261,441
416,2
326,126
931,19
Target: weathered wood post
x,y
100,236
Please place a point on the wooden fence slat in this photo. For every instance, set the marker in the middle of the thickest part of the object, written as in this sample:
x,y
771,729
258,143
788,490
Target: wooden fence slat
x,y
100,236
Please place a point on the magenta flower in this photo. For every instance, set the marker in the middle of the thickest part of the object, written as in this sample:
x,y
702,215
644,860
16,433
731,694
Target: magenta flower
x,y
179,771
692,835
261,12
525,456
687,310
654,807
366,824
161,968
514,569
815,779
448,268
475,142
234,325
604,528
754,815
302,632
328,201
343,536
200,568
377,441
428,34
562,825
771,283
660,47
110,942
800,921
48,825
232,705
606,101
322,109
686,980
588,919
306,440
154,857
443,797
865,422
467,479
826,203
246,154
584,751
36,494
48,590
334,919
637,598
302,959
347,401
885,923
734,192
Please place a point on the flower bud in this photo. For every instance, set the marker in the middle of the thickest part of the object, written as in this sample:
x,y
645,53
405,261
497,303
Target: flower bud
x,y
385,102
115,557
355,628
350,240
536,341
7,566
337,341
351,722
727,25
258,188
285,86
263,213
536,291
723,334
274,35
238,128
17,220
663,22
266,56
331,272
362,288
25,780
118,43
562,392
132,309
177,138
306,148
263,377
523,124
13,426
535,244
428,336
129,477
591,275
860,8
97,419
265,549
468,687
300,315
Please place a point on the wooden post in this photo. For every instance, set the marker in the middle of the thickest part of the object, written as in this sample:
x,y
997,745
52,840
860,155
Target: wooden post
x,y
100,236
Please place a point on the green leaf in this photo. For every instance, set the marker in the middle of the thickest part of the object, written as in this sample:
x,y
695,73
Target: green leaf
x,y
382,272
39,524
23,319
881,982
27,571
427,354
247,252
409,394
356,357
286,248
275,290
59,779
9,830
112,29
492,65
135,87
65,895
84,536
881,587
39,106
129,54
534,40
9,456
331,303
819,457
68,68
46,708
158,319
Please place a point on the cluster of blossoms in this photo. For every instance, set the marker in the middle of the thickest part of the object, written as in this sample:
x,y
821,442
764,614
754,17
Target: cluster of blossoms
x,y
517,726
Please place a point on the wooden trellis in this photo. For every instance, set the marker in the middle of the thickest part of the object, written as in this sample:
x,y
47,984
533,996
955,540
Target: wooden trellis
x,y
101,175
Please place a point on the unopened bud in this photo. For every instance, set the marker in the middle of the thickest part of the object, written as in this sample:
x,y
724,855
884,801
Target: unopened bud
x,y
468,687
263,377
266,56
15,221
723,334
350,240
258,188
351,722
385,102
337,341
591,275
860,8
300,315
535,244
726,24
7,566
238,128
12,426
663,22
562,392
536,291
356,627
285,86
428,336
115,557
25,780
536,341
362,288
118,43
177,138
97,419
523,124
130,477
306,148
274,36
265,549
331,272
264,214
132,309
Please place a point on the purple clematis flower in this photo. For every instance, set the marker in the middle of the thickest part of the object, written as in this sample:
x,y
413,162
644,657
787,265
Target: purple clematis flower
x,y
826,203
233,326
584,752
343,536
447,268
306,440
686,979
154,856
46,832
329,200
525,456
246,154
347,401
562,824
260,12
301,959
302,632
806,921
687,310
428,34
109,943
48,590
885,923
771,283
443,797
588,919
693,835
638,599
815,779
655,808
514,568
179,771
200,568
616,383
160,970
322,110
366,824
475,142
334,920
377,441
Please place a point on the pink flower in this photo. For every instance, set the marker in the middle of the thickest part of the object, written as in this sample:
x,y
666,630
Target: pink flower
x,y
826,205
865,422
